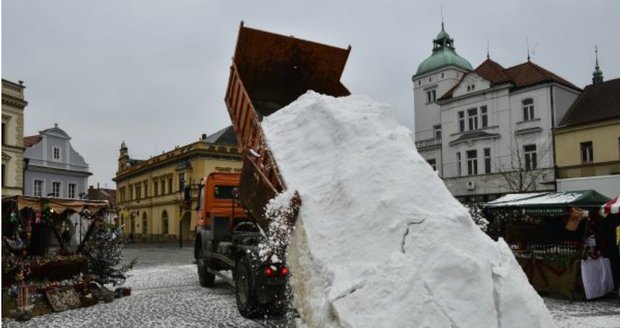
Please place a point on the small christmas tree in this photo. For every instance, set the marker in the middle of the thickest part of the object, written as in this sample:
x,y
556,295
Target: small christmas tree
x,y
104,252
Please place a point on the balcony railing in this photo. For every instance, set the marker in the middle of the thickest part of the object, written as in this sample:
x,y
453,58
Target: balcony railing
x,y
428,143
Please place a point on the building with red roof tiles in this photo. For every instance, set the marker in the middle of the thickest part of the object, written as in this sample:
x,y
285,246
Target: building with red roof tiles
x,y
488,131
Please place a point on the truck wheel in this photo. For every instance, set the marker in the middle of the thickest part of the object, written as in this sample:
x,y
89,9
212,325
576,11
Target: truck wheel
x,y
245,289
206,278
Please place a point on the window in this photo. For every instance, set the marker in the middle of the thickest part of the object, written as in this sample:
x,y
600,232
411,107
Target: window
x,y
472,118
472,162
155,189
461,121
224,192
528,109
487,160
38,188
138,190
3,175
122,192
163,186
55,189
437,131
4,140
181,181
431,96
530,157
458,163
164,225
586,152
56,152
170,185
146,189
130,192
432,163
71,190
484,116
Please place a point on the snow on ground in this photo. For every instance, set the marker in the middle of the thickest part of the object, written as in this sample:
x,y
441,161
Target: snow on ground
x,y
380,241
600,313
165,293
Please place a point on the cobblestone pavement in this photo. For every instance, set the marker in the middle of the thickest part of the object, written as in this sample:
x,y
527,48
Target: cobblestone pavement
x,y
600,313
166,293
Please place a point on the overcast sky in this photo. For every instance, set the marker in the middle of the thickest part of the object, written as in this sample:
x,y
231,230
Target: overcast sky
x,y
153,73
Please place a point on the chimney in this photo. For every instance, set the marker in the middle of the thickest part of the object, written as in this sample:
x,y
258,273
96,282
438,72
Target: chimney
x,y
204,136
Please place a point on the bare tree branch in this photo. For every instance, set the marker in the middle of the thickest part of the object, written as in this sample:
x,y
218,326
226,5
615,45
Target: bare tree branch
x,y
516,177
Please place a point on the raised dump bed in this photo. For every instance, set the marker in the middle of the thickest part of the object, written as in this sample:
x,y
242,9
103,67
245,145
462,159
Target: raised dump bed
x,y
269,71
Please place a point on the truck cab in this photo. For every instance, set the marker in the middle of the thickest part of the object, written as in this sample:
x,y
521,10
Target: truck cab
x,y
217,197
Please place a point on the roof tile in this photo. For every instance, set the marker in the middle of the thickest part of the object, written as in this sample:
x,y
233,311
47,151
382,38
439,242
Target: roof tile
x,y
598,102
521,76
29,141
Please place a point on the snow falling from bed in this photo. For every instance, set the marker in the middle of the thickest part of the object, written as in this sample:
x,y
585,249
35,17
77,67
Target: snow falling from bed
x,y
379,240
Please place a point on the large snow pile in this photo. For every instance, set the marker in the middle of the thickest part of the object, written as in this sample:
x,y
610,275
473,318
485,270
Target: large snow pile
x,y
379,240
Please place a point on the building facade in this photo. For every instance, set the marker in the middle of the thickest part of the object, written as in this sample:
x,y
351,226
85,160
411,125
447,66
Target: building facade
x,y
149,193
488,131
53,168
587,141
109,215
13,105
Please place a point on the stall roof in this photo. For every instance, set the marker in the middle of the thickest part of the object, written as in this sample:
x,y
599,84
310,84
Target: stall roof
x,y
59,205
548,202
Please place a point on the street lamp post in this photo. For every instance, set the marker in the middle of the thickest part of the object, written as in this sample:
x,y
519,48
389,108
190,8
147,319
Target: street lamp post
x,y
180,199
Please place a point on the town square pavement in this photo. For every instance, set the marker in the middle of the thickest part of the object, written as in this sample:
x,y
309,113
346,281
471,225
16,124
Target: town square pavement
x,y
166,293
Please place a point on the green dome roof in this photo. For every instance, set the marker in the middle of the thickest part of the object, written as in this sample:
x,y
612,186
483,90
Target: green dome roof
x,y
442,35
443,55
443,58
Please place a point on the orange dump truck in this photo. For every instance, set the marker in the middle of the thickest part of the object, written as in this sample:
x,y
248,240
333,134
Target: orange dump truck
x,y
217,198
268,72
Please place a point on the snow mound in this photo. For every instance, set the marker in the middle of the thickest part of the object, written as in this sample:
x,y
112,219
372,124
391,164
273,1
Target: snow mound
x,y
379,240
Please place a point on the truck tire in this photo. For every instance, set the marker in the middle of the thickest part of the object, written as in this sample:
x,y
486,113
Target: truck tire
x,y
245,289
206,278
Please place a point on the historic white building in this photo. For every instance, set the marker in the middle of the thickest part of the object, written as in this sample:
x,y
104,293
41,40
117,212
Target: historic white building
x,y
53,168
488,130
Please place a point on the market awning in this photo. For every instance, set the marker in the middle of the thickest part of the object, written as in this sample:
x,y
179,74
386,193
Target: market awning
x,y
611,207
59,205
548,203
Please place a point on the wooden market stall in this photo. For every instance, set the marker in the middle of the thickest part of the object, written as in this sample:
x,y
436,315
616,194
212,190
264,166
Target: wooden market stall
x,y
558,239
37,222
30,226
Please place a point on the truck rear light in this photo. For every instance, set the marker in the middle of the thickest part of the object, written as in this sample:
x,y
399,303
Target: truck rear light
x,y
272,271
